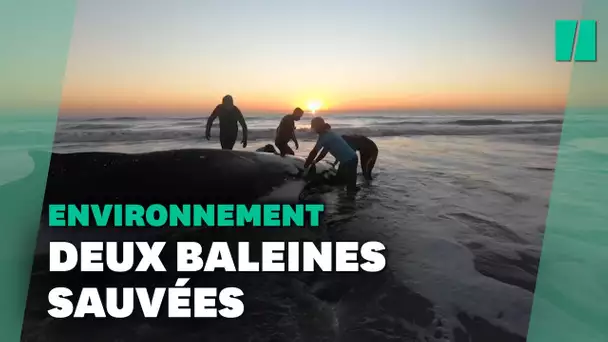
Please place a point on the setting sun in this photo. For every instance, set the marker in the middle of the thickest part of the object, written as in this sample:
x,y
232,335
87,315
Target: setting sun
x,y
314,105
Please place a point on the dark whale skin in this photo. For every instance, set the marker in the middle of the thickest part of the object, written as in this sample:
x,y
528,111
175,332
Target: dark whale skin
x,y
201,176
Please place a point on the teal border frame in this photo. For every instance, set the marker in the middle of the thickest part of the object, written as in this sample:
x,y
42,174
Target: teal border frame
x,y
35,36
572,284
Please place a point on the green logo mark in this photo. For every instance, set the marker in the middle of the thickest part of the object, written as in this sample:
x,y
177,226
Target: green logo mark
x,y
584,45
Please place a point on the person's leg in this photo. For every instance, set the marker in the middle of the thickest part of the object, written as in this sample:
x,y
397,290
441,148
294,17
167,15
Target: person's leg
x,y
227,141
348,174
284,148
369,153
365,159
289,150
370,166
351,186
370,163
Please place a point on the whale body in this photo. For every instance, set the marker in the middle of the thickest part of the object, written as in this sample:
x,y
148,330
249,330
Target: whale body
x,y
179,177
201,176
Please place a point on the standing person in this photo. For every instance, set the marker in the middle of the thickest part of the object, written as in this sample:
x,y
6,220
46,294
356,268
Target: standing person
x,y
330,142
287,131
368,151
229,116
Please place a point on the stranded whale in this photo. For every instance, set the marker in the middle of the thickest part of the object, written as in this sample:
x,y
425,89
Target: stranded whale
x,y
195,176
169,177
202,176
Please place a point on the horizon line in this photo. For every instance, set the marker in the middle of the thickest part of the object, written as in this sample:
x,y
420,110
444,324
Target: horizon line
x,y
204,111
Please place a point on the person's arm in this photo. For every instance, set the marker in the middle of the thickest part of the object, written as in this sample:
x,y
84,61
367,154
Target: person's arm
x,y
243,125
295,141
293,136
312,155
321,155
210,123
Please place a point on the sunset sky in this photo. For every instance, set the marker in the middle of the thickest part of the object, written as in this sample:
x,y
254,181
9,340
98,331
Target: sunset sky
x,y
182,56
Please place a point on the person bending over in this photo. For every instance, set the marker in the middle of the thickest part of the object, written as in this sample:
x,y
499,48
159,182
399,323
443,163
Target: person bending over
x,y
330,142
287,131
229,116
368,151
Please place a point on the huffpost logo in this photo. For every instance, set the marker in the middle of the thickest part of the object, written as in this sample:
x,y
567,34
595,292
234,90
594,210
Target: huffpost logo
x,y
578,38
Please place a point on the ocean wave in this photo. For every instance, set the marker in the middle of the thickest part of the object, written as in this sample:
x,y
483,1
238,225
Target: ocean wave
x,y
396,119
96,126
114,118
489,122
477,122
260,124
186,134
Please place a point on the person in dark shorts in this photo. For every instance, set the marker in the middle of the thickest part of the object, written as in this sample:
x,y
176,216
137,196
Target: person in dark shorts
x,y
287,131
368,151
330,142
230,116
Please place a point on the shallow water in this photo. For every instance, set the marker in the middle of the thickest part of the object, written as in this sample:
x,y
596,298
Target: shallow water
x,y
462,215
463,218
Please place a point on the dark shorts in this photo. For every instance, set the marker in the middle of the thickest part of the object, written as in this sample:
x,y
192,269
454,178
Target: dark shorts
x,y
368,160
347,172
283,147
